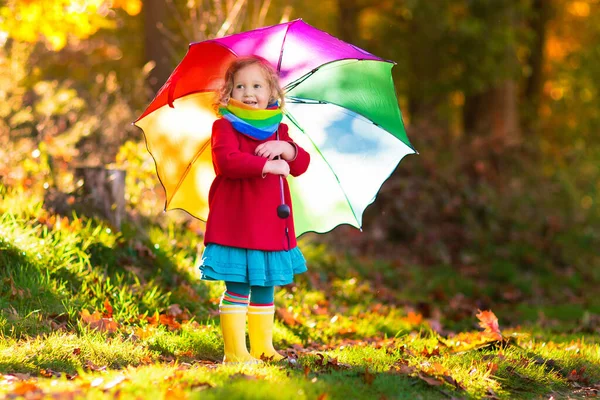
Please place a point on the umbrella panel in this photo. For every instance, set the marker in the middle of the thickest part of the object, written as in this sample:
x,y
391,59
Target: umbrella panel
x,y
364,86
179,140
201,70
293,49
350,159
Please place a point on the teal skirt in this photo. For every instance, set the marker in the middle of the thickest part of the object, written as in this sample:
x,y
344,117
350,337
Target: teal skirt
x,y
255,267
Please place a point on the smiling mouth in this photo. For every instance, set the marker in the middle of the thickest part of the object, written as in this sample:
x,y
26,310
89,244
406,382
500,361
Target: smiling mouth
x,y
250,102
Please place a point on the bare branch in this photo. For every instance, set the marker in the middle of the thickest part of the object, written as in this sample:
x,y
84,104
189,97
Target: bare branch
x,y
285,17
185,28
232,17
263,12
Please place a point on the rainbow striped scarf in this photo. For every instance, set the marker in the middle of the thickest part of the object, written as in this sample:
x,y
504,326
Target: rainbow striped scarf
x,y
255,123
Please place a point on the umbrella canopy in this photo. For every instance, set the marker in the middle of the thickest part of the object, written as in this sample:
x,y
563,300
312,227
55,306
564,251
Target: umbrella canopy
x,y
341,107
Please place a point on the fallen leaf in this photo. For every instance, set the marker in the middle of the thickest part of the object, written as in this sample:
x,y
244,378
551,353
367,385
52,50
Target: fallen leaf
x,y
118,380
175,393
97,382
189,292
489,322
153,320
578,376
169,321
349,330
491,368
265,358
434,352
437,369
148,360
200,385
413,318
286,316
26,389
491,394
143,251
453,382
48,373
432,381
404,368
96,321
404,349
93,367
321,359
108,308
174,310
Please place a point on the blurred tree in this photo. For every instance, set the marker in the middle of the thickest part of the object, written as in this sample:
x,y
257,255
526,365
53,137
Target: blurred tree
x,y
348,15
53,21
155,44
458,60
569,116
493,108
543,12
66,104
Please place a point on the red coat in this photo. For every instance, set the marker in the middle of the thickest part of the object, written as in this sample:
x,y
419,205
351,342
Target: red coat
x,y
243,204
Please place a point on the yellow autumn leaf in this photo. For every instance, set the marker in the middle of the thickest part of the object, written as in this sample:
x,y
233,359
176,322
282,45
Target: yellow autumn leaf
x,y
55,20
131,7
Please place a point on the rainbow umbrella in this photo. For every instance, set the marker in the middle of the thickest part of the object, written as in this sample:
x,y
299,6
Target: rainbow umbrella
x,y
340,106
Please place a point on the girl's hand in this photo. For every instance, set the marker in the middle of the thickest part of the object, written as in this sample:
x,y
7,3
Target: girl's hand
x,y
277,167
274,148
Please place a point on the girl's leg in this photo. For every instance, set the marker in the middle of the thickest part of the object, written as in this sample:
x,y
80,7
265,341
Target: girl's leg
x,y
261,313
262,295
236,293
233,309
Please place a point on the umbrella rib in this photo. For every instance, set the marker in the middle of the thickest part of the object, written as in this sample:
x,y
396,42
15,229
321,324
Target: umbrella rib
x,y
287,29
292,85
291,118
187,170
304,77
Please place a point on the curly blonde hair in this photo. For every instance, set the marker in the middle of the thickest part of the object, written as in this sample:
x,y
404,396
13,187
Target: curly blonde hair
x,y
224,93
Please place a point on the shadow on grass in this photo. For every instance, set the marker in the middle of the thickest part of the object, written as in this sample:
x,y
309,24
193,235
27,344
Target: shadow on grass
x,y
133,276
27,296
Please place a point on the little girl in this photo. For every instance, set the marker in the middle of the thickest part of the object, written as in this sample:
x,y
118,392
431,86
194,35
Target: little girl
x,y
247,245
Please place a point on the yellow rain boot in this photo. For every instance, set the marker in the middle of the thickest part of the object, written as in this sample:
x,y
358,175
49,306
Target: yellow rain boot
x,y
233,326
260,330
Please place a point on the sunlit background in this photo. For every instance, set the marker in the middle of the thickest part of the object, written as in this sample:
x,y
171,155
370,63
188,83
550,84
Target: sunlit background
x,y
495,219
499,97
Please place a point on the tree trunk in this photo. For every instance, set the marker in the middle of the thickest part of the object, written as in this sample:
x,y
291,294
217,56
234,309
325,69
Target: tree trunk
x,y
102,191
494,113
533,88
349,11
155,44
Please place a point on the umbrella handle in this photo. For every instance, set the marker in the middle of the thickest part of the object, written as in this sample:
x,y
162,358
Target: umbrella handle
x,y
283,210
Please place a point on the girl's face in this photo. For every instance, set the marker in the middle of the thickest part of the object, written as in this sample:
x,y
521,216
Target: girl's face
x,y
251,87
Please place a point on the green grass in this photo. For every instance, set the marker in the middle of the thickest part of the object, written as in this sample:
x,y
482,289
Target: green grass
x,y
347,321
